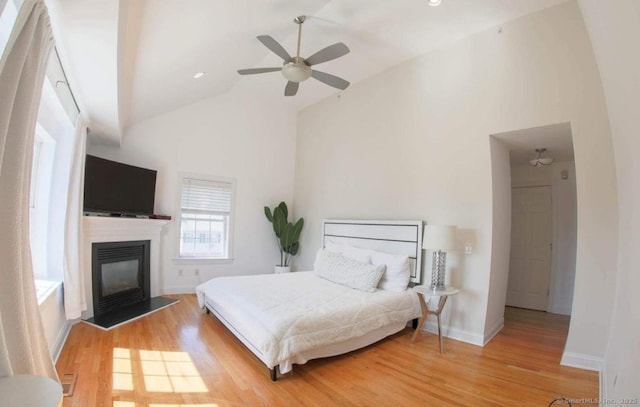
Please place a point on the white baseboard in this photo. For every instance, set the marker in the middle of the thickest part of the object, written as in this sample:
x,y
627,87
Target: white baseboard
x,y
581,361
560,310
493,331
455,333
60,340
603,383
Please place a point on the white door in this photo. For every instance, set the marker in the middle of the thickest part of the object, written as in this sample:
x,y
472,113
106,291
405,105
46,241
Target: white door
x,y
531,237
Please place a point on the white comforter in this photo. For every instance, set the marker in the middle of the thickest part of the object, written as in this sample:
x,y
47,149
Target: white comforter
x,y
283,314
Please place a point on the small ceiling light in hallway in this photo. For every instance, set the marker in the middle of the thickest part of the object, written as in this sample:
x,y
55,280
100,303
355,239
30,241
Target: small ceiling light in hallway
x,y
541,159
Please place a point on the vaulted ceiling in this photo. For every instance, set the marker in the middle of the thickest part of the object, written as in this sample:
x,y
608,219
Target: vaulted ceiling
x,y
129,60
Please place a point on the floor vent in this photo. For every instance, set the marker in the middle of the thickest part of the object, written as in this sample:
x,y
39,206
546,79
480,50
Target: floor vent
x,y
68,381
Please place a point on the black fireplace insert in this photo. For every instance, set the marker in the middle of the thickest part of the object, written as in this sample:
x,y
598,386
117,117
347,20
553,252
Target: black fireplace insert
x,y
121,274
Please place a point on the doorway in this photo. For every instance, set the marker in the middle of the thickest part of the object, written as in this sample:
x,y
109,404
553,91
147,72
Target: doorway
x,y
542,253
531,245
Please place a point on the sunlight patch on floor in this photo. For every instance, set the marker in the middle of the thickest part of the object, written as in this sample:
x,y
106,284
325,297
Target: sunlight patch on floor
x,y
170,371
161,371
183,405
122,373
133,404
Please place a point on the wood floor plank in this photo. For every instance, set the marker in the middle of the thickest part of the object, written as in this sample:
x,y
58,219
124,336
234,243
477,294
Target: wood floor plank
x,y
180,356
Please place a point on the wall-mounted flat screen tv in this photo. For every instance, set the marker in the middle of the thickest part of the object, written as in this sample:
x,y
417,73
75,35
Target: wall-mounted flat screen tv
x,y
118,189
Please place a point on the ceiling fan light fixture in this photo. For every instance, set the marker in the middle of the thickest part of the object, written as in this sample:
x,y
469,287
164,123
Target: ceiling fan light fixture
x,y
296,72
541,159
434,3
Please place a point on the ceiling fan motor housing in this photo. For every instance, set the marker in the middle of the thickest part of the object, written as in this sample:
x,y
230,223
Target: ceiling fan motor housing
x,y
296,70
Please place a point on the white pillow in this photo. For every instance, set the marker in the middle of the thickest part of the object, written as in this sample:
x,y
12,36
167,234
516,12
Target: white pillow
x,y
357,254
397,274
348,272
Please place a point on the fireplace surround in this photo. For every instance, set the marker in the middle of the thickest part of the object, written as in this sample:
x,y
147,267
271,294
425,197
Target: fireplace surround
x,y
97,229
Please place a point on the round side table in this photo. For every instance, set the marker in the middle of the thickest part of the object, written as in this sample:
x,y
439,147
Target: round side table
x,y
426,291
29,391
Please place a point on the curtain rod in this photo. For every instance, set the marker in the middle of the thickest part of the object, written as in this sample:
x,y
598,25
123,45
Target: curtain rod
x,y
66,81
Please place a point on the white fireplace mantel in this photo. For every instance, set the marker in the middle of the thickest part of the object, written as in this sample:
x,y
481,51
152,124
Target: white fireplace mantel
x,y
100,229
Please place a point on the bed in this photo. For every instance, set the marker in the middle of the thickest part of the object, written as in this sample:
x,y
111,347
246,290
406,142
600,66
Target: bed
x,y
290,318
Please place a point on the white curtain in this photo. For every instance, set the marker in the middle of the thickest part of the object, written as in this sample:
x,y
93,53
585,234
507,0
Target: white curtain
x,y
74,295
23,347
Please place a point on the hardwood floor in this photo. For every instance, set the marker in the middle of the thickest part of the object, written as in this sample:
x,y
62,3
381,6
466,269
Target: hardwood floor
x,y
182,357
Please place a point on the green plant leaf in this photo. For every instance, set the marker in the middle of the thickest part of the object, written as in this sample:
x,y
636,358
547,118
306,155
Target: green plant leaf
x,y
293,250
297,229
279,220
286,237
284,209
267,213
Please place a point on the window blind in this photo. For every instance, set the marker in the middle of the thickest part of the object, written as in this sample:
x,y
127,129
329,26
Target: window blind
x,y
204,196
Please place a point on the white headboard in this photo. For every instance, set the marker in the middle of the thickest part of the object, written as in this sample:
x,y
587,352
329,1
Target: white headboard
x,y
391,236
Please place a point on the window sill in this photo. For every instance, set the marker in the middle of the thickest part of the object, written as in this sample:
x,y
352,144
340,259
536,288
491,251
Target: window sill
x,y
201,260
45,288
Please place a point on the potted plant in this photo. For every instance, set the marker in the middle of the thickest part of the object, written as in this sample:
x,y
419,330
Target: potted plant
x,y
287,234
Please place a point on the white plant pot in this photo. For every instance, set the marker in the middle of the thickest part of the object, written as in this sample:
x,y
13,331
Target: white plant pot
x,y
282,269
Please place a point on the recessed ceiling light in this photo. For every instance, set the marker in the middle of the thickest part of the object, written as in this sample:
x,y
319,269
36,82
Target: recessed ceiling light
x,y
198,75
434,2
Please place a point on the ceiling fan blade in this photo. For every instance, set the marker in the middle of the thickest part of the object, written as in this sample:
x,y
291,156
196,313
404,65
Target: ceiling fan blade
x,y
327,54
274,46
252,71
330,80
291,89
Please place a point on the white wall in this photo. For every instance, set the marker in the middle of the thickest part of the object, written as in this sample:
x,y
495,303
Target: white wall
x,y
614,28
55,325
413,142
500,238
226,137
564,217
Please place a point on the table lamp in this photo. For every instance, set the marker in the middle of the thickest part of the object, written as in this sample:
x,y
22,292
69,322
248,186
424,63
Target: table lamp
x,y
441,239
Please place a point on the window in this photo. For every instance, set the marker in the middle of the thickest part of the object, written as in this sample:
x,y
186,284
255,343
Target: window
x,y
41,171
206,217
53,143
7,20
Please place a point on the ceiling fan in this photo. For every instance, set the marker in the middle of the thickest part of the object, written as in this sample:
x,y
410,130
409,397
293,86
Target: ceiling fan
x,y
297,69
